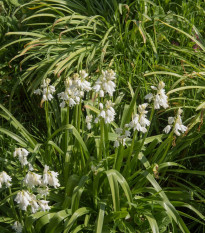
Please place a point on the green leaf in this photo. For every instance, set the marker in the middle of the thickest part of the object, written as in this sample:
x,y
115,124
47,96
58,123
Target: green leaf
x,y
75,133
152,222
44,220
56,220
78,213
114,177
14,136
100,219
128,114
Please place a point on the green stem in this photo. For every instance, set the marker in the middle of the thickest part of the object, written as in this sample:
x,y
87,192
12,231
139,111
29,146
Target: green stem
x,y
130,154
101,149
106,140
79,116
47,154
106,143
66,155
13,206
47,119
119,158
167,148
83,165
76,117
135,159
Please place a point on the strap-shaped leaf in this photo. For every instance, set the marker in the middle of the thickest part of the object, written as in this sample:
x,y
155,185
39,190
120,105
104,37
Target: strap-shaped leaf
x,y
78,213
100,220
114,178
76,134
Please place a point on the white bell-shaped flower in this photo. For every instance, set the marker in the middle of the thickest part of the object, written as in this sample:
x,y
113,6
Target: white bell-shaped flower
x,y
17,227
160,98
107,113
74,89
22,155
43,192
123,136
88,121
34,204
140,121
177,123
44,205
46,90
23,198
50,178
105,84
5,179
32,179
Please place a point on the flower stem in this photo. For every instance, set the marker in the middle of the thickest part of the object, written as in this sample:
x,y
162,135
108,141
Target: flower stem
x,y
13,206
130,154
106,143
119,158
47,154
79,117
167,148
101,148
135,159
47,119
66,155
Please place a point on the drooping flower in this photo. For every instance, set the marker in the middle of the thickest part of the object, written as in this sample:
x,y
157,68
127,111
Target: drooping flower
x,y
74,89
46,90
107,113
177,123
17,227
23,198
22,155
160,98
5,179
32,179
50,178
44,205
88,121
140,121
34,203
80,81
43,192
105,84
123,136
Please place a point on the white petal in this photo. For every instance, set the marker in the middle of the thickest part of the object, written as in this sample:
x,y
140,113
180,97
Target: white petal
x,y
167,129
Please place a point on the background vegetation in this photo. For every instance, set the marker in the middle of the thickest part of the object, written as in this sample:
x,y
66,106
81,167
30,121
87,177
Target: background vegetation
x,y
144,42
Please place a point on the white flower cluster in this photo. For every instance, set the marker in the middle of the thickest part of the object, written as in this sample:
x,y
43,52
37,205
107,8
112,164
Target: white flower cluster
x,y
88,121
140,121
74,89
32,179
160,99
50,178
105,83
25,199
5,179
17,227
123,136
22,155
107,113
175,122
46,90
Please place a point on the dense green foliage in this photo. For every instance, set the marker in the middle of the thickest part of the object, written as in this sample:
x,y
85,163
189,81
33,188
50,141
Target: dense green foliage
x,y
153,184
